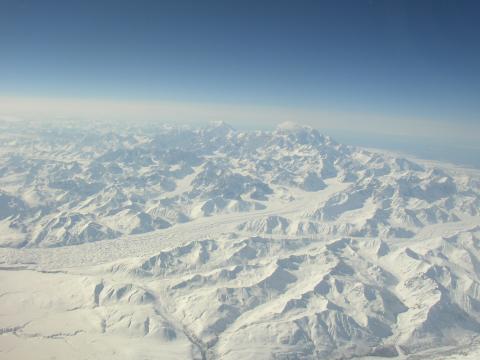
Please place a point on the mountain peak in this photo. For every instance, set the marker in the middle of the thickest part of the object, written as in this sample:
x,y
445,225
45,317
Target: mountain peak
x,y
218,129
220,124
291,126
300,134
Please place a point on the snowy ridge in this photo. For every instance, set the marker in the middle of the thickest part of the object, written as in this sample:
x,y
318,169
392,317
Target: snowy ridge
x,y
213,243
137,183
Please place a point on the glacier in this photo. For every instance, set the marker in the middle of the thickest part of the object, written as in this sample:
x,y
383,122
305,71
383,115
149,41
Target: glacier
x,y
177,242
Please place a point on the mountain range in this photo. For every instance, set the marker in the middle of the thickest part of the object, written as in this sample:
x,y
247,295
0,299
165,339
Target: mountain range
x,y
159,242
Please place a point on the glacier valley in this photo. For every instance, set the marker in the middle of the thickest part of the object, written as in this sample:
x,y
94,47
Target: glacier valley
x,y
176,242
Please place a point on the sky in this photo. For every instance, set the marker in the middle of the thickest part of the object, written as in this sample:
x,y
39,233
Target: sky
x,y
375,73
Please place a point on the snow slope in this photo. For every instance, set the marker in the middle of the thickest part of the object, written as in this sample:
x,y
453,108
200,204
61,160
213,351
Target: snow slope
x,y
212,243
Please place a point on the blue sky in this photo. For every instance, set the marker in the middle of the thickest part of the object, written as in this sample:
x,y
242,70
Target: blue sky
x,y
382,68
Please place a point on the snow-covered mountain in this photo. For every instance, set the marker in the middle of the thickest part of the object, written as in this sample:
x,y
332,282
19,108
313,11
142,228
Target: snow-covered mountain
x,y
212,243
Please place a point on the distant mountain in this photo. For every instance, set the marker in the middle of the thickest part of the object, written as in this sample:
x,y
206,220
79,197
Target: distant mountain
x,y
115,180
